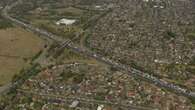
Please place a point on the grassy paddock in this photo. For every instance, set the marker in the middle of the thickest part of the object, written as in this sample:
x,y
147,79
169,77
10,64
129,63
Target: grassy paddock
x,y
17,47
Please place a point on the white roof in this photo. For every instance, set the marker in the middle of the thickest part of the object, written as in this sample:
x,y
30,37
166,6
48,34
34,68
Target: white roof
x,y
100,107
66,21
97,6
74,104
146,0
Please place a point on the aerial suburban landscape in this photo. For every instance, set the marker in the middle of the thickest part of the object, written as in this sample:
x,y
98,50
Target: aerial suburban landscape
x,y
97,55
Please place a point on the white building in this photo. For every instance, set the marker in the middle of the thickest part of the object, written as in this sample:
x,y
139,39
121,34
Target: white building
x,y
65,21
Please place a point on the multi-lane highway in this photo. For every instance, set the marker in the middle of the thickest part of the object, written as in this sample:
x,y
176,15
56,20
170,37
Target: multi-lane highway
x,y
129,70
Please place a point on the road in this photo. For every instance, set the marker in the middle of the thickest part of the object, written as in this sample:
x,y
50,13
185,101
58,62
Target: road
x,y
129,70
61,99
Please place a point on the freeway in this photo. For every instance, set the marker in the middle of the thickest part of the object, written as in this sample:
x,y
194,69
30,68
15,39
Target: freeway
x,y
129,70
